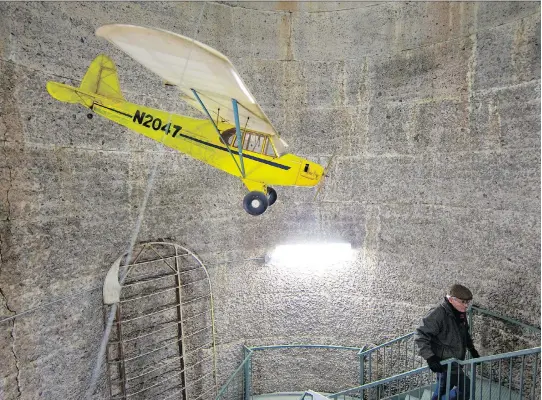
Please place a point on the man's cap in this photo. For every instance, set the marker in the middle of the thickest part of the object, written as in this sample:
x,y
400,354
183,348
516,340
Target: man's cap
x,y
460,291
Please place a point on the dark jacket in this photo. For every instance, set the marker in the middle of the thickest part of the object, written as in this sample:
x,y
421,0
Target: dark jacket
x,y
442,335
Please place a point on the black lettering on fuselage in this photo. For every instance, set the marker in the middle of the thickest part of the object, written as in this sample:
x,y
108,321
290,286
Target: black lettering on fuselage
x,y
138,117
156,124
177,129
148,121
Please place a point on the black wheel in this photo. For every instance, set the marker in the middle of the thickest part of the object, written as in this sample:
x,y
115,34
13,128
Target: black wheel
x,y
255,203
271,196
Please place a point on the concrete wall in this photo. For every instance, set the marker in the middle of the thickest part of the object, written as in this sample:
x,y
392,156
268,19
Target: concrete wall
x,y
433,110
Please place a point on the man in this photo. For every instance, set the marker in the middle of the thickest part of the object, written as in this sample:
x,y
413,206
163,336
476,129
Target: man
x,y
444,334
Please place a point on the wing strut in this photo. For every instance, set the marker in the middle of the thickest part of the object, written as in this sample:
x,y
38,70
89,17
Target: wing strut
x,y
238,134
238,130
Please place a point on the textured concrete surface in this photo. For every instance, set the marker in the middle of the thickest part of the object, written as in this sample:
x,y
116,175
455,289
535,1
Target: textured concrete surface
x,y
432,109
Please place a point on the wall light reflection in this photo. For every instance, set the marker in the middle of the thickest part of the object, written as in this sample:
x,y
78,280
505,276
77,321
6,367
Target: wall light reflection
x,y
315,256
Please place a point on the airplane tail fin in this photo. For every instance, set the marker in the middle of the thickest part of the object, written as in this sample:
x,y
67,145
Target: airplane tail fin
x,y
101,79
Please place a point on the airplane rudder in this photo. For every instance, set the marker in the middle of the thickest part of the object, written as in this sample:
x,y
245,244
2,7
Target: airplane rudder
x,y
101,78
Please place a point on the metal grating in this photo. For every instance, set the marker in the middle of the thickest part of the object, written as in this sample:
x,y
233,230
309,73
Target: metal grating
x,y
162,343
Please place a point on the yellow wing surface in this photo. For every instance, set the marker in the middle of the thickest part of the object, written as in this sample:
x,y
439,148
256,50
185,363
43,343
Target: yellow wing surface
x,y
189,64
198,138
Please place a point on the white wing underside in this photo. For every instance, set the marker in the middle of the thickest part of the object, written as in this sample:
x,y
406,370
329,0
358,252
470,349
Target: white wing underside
x,y
189,64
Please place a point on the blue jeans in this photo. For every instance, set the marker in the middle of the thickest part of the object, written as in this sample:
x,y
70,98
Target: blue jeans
x,y
459,386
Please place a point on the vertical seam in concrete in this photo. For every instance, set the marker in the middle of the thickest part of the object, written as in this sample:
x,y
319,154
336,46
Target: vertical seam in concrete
x,y
495,120
368,97
462,17
373,228
289,50
6,301
410,124
8,206
398,31
499,124
5,222
9,47
12,334
18,377
450,17
344,83
515,55
472,63
8,189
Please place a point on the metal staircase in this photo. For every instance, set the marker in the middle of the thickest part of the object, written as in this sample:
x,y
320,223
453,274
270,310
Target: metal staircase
x,y
511,376
394,371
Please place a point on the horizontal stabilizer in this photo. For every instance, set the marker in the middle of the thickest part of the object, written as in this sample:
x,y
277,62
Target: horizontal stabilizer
x,y
67,94
101,79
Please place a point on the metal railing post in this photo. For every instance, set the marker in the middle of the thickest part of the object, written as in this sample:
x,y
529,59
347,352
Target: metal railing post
x,y
448,378
247,369
361,372
535,366
472,380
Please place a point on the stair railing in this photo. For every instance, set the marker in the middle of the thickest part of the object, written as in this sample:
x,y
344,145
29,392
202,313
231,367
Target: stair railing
x,y
390,358
239,385
236,387
474,310
398,358
508,376
401,354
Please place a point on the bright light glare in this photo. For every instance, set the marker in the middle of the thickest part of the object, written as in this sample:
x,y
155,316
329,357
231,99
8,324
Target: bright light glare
x,y
310,256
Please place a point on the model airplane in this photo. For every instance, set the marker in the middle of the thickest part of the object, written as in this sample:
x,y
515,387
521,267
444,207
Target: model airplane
x,y
236,137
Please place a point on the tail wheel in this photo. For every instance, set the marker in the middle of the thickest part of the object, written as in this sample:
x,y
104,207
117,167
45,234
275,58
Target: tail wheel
x,y
255,203
271,196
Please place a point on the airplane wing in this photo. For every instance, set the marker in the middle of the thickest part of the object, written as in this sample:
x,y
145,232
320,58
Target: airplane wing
x,y
189,64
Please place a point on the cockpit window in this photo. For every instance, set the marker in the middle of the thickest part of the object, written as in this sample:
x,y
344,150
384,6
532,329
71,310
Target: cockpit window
x,y
280,145
252,141
269,148
228,137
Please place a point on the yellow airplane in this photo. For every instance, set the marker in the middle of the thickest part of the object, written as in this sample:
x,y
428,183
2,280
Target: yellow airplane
x,y
236,137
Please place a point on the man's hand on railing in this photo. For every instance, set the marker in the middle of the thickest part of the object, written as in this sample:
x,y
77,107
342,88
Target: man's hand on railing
x,y
434,364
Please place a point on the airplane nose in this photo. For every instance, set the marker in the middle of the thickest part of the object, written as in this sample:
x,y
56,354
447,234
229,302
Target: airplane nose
x,y
309,174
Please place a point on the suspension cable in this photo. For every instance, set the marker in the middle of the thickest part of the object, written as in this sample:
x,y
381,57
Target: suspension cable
x,y
150,184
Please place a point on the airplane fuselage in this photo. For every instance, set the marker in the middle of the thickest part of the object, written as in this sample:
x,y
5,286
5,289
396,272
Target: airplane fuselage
x,y
199,139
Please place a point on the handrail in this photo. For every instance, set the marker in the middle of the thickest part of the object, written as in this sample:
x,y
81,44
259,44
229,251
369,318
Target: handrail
x,y
308,346
373,349
504,318
225,386
494,357
473,308
447,362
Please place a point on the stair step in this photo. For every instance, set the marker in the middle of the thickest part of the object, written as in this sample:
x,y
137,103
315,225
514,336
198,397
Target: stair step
x,y
426,395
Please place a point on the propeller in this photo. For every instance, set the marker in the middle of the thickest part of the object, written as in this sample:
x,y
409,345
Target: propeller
x,y
324,175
